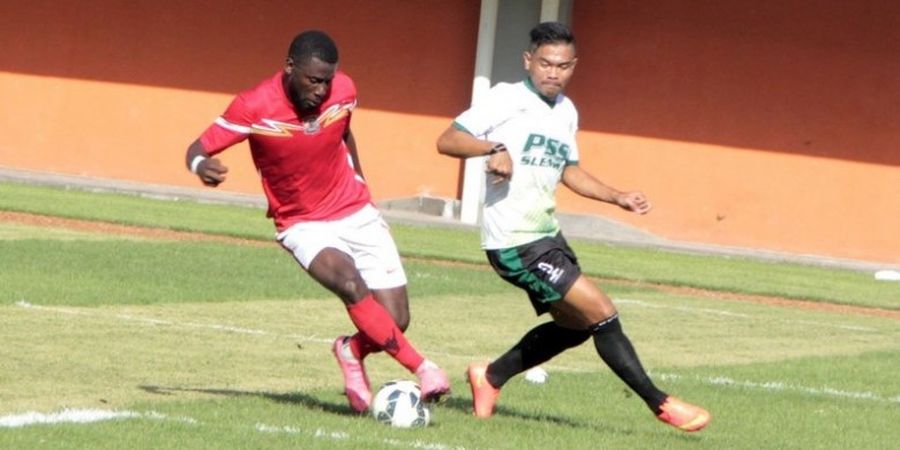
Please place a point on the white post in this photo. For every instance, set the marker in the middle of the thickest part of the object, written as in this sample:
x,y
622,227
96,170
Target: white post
x,y
473,175
549,10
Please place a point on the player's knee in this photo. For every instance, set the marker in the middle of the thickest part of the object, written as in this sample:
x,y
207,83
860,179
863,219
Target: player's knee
x,y
350,289
572,338
606,325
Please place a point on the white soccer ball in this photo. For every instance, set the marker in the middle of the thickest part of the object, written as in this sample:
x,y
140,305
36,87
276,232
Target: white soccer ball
x,y
399,404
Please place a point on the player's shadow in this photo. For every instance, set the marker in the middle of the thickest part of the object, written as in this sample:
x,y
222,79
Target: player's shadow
x,y
465,405
293,398
299,398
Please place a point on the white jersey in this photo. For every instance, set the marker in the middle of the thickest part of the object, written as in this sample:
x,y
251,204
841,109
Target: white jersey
x,y
540,137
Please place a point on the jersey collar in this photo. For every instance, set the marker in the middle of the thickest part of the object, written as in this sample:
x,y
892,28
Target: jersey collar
x,y
551,102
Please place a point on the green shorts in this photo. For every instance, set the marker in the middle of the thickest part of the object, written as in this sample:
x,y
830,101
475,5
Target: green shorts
x,y
546,269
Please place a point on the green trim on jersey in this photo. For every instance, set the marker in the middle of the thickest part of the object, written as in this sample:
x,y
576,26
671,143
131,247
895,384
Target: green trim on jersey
x,y
510,258
459,127
551,102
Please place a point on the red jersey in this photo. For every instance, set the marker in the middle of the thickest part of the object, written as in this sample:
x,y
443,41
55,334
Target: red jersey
x,y
305,165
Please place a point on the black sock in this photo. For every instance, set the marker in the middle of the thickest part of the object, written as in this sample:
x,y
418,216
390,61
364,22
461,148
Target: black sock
x,y
539,345
617,352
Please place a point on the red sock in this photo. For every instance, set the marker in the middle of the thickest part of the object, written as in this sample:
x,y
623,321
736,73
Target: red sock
x,y
361,346
377,324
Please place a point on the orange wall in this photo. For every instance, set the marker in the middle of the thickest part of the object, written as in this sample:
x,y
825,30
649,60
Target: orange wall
x,y
762,124
770,125
121,88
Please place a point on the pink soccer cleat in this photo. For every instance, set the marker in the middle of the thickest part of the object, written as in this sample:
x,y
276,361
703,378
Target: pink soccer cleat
x,y
432,381
356,382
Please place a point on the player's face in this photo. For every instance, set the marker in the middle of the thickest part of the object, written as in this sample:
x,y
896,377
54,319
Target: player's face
x,y
309,82
550,67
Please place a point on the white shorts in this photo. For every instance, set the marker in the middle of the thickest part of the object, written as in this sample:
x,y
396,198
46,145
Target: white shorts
x,y
363,235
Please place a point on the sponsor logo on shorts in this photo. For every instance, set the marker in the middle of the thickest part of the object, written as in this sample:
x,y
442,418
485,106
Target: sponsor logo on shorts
x,y
554,272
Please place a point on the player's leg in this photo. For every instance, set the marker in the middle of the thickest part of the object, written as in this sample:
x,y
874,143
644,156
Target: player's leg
x,y
585,306
396,302
336,271
352,350
545,272
538,345
319,249
330,253
375,255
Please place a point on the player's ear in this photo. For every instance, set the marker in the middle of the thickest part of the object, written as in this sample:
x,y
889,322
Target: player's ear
x,y
288,65
526,59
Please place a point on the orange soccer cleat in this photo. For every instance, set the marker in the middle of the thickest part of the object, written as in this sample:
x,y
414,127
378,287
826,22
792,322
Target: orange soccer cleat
x,y
484,396
682,415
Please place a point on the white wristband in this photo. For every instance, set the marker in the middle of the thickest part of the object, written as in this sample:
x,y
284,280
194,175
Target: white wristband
x,y
196,162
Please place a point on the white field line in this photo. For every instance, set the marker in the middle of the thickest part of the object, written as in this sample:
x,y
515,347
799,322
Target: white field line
x,y
780,386
718,312
159,322
715,380
321,433
80,416
86,416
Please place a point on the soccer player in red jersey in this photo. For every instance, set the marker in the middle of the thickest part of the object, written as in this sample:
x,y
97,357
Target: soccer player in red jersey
x,y
298,125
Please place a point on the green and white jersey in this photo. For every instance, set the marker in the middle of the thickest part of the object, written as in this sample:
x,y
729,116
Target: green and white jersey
x,y
540,136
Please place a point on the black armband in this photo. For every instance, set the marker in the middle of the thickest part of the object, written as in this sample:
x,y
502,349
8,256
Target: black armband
x,y
497,148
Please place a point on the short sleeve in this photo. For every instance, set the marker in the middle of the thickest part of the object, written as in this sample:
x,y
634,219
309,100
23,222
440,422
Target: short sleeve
x,y
231,127
487,113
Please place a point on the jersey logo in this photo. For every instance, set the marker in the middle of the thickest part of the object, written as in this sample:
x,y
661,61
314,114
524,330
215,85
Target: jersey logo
x,y
270,127
541,151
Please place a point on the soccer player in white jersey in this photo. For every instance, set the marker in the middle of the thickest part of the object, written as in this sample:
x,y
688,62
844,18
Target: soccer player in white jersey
x,y
527,130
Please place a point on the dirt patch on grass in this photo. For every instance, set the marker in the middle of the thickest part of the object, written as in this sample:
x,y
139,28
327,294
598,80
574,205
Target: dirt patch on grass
x,y
158,233
768,300
126,230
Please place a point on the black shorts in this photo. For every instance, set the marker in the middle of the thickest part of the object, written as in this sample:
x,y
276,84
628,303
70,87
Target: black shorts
x,y
546,269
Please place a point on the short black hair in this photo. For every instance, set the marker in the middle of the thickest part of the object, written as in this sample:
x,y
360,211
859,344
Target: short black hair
x,y
550,33
313,44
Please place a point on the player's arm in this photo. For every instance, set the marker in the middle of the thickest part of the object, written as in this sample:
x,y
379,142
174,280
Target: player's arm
x,y
210,170
354,154
460,144
584,184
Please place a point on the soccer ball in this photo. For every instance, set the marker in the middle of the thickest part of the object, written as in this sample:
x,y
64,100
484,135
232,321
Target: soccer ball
x,y
399,404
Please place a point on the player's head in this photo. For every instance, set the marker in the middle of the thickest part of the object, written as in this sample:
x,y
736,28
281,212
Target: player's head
x,y
309,68
550,59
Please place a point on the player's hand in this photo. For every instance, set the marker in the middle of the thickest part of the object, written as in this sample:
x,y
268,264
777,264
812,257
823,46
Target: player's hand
x,y
500,165
211,172
634,201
